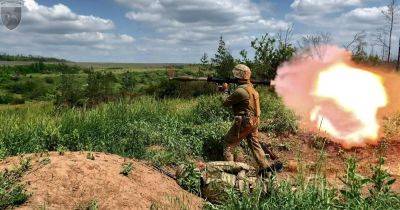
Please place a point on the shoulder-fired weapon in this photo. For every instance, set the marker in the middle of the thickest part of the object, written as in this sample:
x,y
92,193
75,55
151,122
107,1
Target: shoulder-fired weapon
x,y
219,81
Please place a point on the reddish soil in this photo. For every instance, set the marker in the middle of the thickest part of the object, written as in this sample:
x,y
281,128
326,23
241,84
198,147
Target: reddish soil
x,y
72,181
302,153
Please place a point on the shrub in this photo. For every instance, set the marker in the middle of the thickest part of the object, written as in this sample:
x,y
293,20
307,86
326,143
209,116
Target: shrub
x,y
176,89
31,89
124,128
49,80
126,169
275,117
12,193
100,87
68,92
6,98
210,109
318,194
128,83
189,178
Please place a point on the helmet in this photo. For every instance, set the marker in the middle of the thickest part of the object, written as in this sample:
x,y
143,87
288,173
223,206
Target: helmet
x,y
241,71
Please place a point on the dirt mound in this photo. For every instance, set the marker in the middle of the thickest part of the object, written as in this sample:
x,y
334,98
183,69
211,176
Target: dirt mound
x,y
75,180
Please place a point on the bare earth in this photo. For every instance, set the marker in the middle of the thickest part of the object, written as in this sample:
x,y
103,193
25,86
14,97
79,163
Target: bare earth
x,y
72,181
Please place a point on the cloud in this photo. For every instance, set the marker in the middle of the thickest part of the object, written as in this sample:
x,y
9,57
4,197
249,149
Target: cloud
x,y
56,30
59,19
311,7
365,16
195,20
313,11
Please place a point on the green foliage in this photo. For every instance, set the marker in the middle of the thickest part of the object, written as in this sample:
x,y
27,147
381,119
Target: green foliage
x,y
210,109
183,128
61,150
43,68
90,156
30,89
318,194
204,63
269,55
176,89
7,57
49,80
126,169
91,205
68,92
381,181
276,118
12,192
128,83
354,183
100,87
223,62
189,178
6,98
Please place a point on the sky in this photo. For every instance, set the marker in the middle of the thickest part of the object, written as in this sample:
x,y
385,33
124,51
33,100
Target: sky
x,y
177,31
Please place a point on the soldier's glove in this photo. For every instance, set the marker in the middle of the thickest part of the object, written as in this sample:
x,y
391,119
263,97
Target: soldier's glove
x,y
224,88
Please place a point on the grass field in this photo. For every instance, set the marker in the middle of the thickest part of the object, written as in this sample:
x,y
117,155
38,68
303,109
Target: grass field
x,y
168,131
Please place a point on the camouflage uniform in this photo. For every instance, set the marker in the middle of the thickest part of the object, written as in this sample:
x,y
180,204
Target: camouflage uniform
x,y
246,108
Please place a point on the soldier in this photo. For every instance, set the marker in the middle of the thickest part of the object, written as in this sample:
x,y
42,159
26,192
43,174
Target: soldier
x,y
246,108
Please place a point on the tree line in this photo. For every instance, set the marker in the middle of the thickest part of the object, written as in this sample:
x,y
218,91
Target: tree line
x,y
7,57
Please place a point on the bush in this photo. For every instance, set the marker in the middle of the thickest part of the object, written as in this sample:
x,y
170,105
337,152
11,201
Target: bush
x,y
12,192
210,109
189,178
31,89
124,128
68,92
100,87
318,194
176,89
275,117
49,80
6,98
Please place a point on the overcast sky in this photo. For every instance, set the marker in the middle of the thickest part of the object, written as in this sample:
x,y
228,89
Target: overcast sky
x,y
175,30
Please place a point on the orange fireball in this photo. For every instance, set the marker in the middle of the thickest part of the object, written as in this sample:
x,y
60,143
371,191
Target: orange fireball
x,y
359,94
331,95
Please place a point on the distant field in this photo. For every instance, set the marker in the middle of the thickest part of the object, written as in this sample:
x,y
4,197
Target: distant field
x,y
40,81
116,67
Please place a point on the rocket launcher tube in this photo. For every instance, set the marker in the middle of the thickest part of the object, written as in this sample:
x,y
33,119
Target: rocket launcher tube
x,y
219,80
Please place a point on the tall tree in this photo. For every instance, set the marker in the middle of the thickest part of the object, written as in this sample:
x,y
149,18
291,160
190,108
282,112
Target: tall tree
x,y
204,63
223,61
390,13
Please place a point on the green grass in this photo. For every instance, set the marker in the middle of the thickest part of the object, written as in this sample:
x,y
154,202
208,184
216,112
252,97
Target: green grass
x,y
126,169
12,192
182,128
18,89
357,192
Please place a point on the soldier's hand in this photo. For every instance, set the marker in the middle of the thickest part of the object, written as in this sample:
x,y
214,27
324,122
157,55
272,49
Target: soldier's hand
x,y
224,88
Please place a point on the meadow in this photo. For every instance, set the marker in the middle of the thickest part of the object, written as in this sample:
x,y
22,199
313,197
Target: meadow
x,y
134,111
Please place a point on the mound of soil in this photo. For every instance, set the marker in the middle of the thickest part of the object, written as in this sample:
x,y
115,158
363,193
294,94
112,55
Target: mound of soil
x,y
74,181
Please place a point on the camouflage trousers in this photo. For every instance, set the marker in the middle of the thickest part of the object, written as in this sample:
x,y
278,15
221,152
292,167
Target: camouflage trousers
x,y
245,128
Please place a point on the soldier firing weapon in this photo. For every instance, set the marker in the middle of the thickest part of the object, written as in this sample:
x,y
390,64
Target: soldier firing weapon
x,y
245,103
219,81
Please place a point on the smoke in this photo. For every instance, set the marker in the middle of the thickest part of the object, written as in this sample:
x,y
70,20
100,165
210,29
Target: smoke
x,y
332,94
